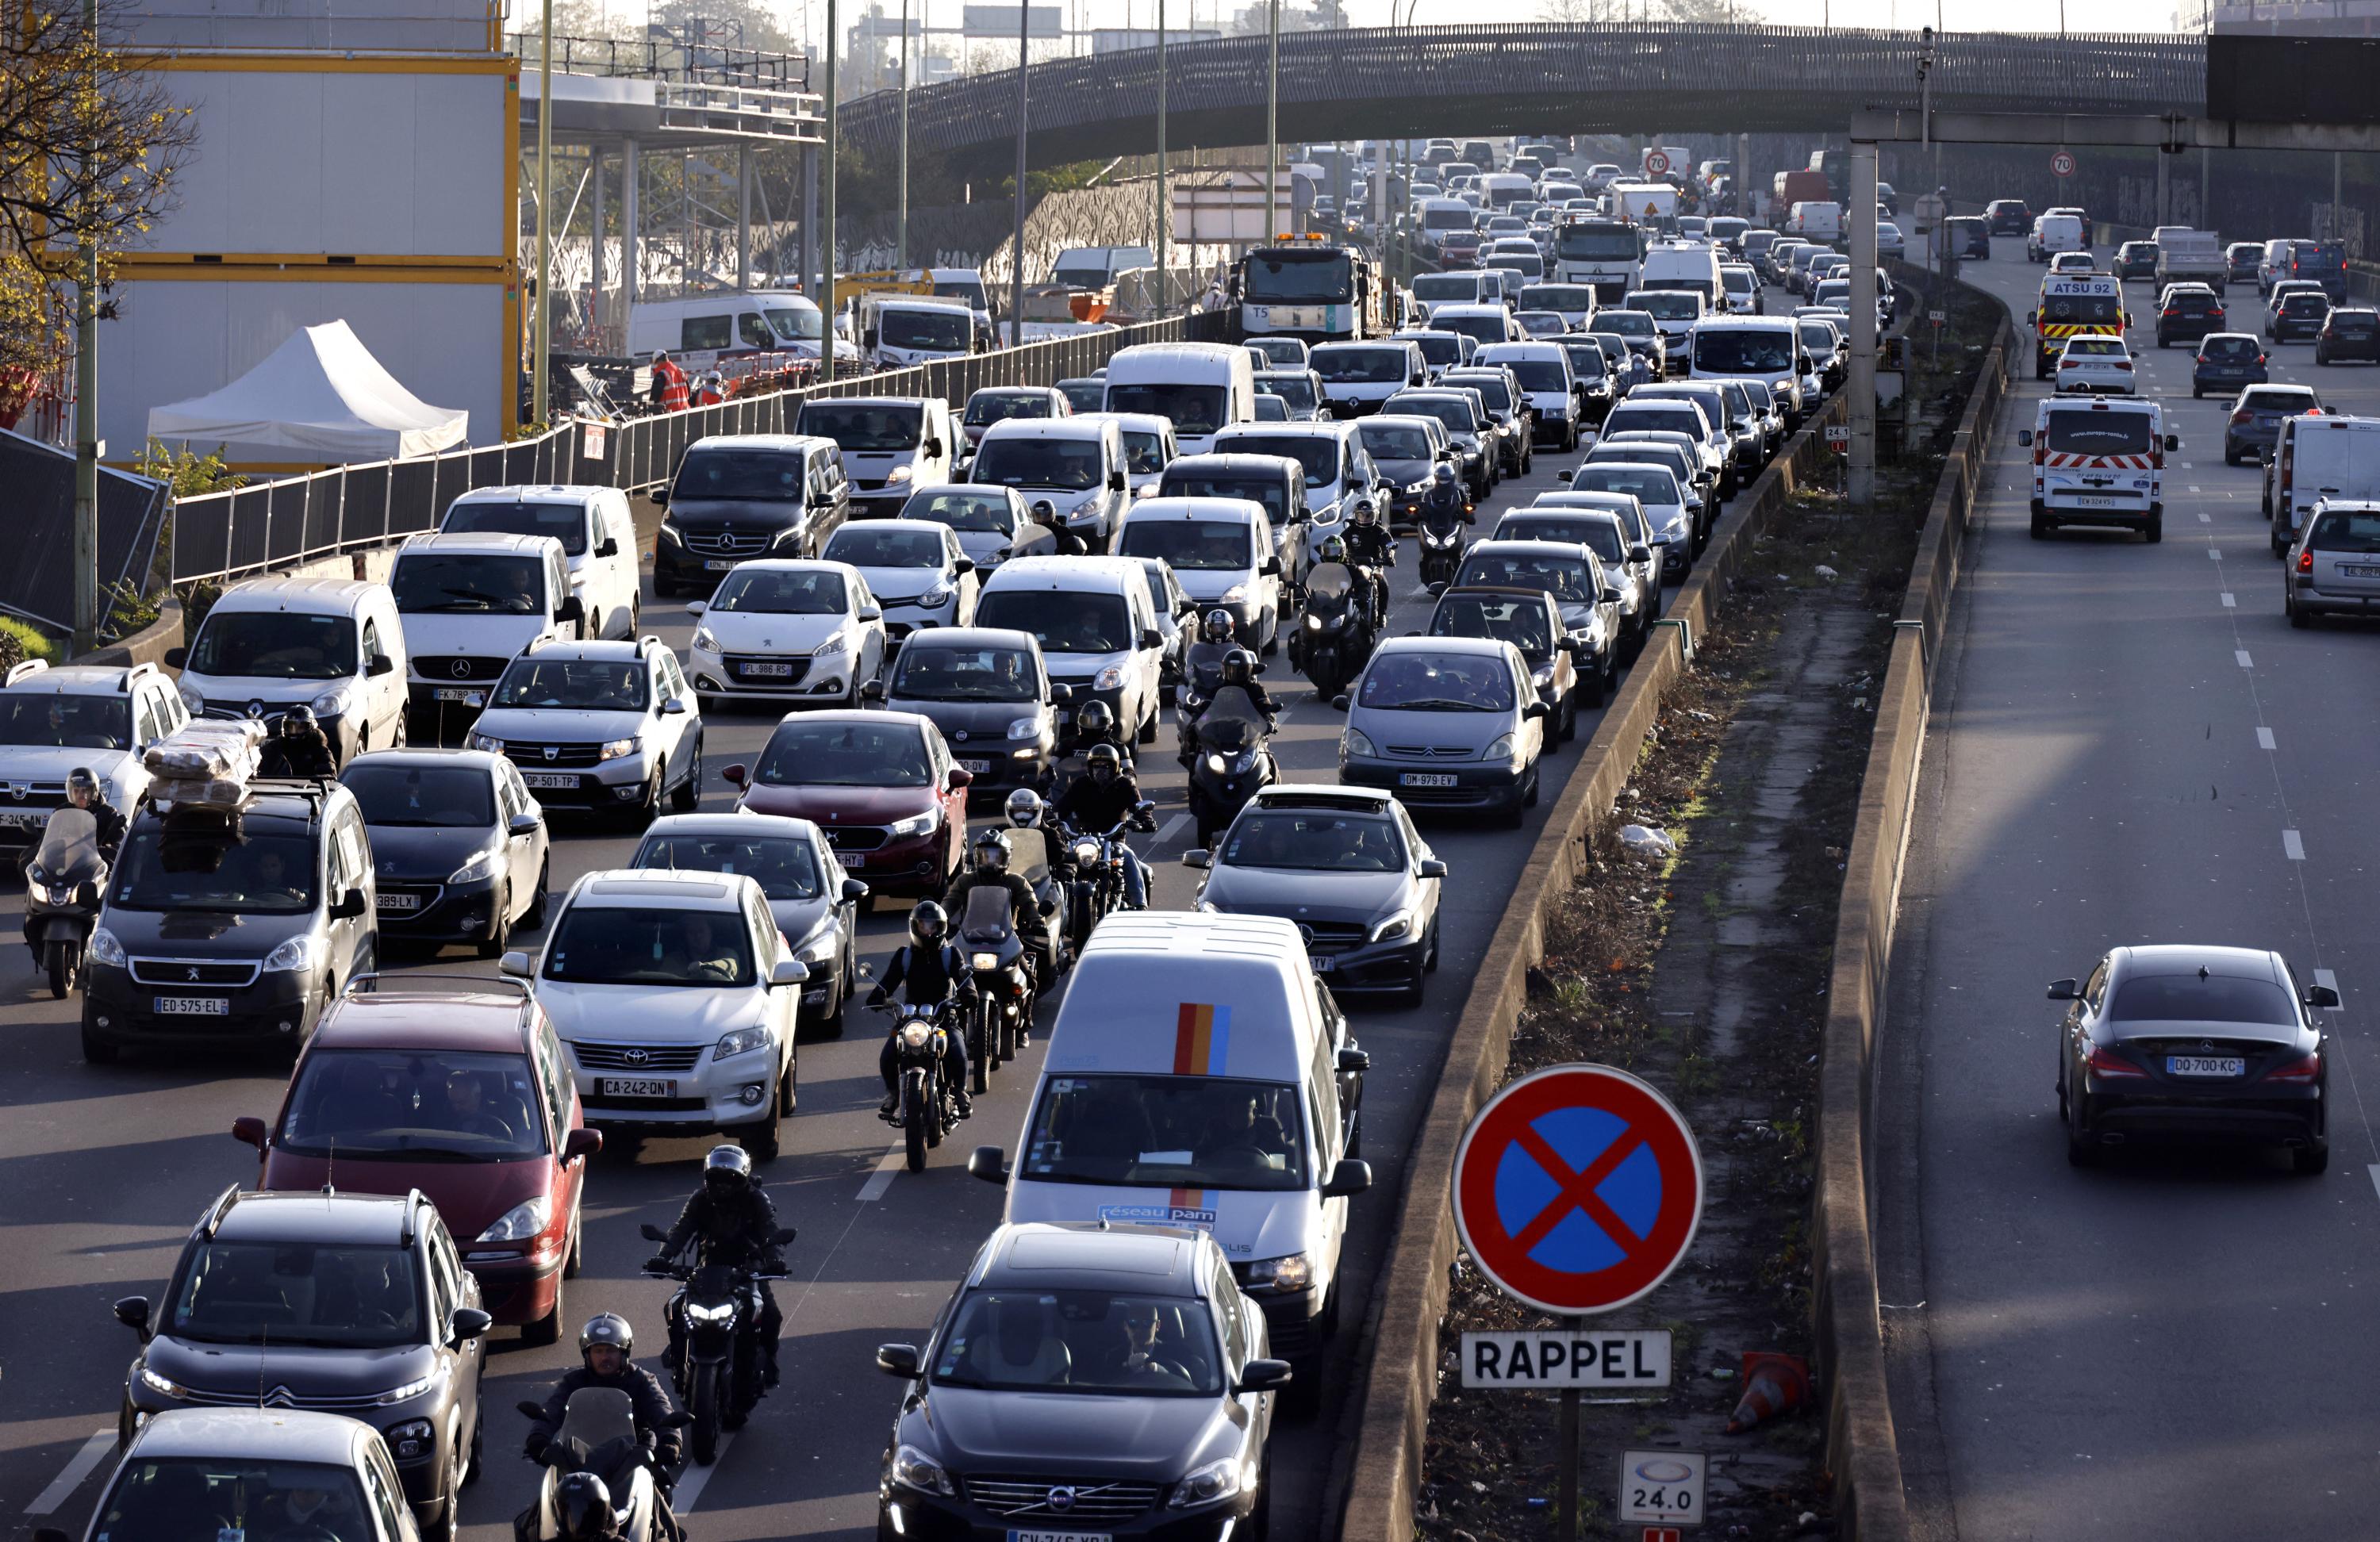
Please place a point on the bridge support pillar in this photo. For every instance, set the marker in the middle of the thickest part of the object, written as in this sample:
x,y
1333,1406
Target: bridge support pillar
x,y
2164,189
809,222
1860,386
742,216
631,211
1744,177
601,307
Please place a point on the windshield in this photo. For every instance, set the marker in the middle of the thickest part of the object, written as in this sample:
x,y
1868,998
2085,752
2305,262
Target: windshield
x,y
1564,577
1525,264
2304,303
786,867
1649,452
265,874
2319,254
1558,296
1447,219
330,1295
1360,365
1191,545
2083,308
1067,465
1595,243
1495,328
1193,410
1086,1342
1438,287
968,289
2094,347
1457,415
1439,348
847,754
1623,323
988,512
450,797
1440,682
998,407
191,1499
864,425
1317,453
602,944
1649,484
1668,305
1655,414
770,474
1313,840
1730,351
1818,337
1587,361
2345,531
275,645
943,330
410,1105
1298,390
1539,374
766,591
944,672
1492,390
873,545
1523,623
1162,1132
1144,452
564,522
2099,433
65,722
1271,492
1323,276
1288,351
2229,348
580,684
480,583
1601,536
1395,442
794,322
2196,999
1062,621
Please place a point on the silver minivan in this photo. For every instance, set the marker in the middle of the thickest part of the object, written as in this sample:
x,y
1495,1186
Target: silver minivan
x,y
2334,567
1446,722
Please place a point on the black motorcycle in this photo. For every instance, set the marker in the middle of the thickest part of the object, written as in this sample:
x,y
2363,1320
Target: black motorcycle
x,y
1233,760
716,1361
1334,637
1098,860
1442,554
1202,674
927,1110
62,881
1003,985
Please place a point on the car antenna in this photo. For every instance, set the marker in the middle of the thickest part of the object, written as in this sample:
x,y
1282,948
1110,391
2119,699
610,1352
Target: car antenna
x,y
2201,971
330,1166
263,1344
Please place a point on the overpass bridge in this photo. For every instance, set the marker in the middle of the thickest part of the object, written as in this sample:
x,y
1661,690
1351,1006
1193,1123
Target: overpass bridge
x,y
1415,81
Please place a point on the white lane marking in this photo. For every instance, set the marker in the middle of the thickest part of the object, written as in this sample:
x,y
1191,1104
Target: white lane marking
x,y
2324,976
2264,739
2375,1175
2215,553
2190,466
695,1478
2206,519
2245,662
2292,845
2193,487
881,1179
1170,828
62,1486
2229,603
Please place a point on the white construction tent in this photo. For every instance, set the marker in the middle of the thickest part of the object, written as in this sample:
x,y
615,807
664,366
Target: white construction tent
x,y
321,397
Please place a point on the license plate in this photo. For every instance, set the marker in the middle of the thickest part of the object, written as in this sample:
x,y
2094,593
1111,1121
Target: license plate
x,y
635,1087
2092,500
2205,1065
458,692
23,821
1322,963
387,900
1426,779
718,564
194,1006
979,768
550,779
2355,572
764,670
1017,1536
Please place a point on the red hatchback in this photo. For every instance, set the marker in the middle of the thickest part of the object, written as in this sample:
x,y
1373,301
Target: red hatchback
x,y
456,1087
879,786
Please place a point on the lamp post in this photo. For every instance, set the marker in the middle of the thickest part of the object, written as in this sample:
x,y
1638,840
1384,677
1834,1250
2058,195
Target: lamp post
x,y
1164,210
1272,118
826,218
86,445
542,327
1017,252
901,208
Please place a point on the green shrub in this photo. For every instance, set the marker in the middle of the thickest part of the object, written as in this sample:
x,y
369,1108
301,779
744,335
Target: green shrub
x,y
20,640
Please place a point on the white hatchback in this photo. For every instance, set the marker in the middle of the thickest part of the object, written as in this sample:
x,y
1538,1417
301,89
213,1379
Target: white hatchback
x,y
2099,366
782,627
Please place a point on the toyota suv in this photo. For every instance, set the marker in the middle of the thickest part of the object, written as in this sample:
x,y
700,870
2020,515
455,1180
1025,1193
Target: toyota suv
x,y
599,725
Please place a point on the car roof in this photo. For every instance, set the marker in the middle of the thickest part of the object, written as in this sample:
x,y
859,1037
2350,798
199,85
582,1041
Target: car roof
x,y
1334,430
357,1219
77,679
800,442
1057,572
1329,795
595,650
479,543
2189,958
1149,1260
1235,460
973,637
513,493
1050,428
1149,509
1502,591
665,888
1482,646
427,1012
778,825
476,759
333,596
869,714
913,527
283,1434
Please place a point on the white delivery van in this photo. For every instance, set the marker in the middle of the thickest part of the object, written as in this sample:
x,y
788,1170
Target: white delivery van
x,y
1095,620
1201,388
471,603
2053,232
2100,461
1357,377
1818,221
1200,1076
1501,190
897,331
333,645
1681,265
1765,348
1648,203
699,333
1222,554
1077,465
890,445
1441,217
597,532
2314,458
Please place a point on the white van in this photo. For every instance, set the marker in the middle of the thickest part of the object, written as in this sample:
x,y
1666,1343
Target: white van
x,y
1765,348
1077,465
1095,620
1441,217
890,445
1200,1076
1818,221
1201,388
1222,554
897,331
1652,203
2314,458
699,333
2053,232
473,602
1501,190
597,532
333,645
1357,377
1681,265
2098,461
1543,372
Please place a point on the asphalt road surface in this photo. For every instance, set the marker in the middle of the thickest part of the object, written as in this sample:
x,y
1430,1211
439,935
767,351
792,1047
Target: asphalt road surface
x,y
2131,745
107,1167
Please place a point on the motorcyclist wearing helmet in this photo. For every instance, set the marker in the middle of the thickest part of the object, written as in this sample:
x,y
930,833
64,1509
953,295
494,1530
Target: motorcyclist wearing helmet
x,y
992,851
1098,801
928,971
1446,505
1371,550
1093,725
605,1347
298,750
83,792
729,1221
1240,669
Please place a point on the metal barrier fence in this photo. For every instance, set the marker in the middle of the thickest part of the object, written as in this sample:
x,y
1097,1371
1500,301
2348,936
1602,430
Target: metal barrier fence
x,y
354,508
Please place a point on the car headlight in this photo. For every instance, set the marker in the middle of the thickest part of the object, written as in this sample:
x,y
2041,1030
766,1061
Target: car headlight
x,y
489,743
1542,677
480,868
299,952
1225,1478
429,1380
937,597
705,641
105,949
331,704
818,947
669,533
618,748
919,824
1414,490
836,641
1352,741
1109,679
983,961
1024,728
1234,595
1395,926
521,1223
900,474
1292,1272
914,1469
159,1385
740,1042
192,698
1500,750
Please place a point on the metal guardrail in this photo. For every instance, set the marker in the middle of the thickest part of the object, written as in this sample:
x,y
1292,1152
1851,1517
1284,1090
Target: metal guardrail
x,y
297,520
1377,82
665,59
741,110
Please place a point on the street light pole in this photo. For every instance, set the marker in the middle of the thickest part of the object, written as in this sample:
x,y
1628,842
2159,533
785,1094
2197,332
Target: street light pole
x,y
901,209
1164,209
1272,119
86,503
1024,103
542,327
826,219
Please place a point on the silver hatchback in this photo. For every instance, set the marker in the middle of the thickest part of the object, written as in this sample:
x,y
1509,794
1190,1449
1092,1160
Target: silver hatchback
x,y
1446,722
2334,569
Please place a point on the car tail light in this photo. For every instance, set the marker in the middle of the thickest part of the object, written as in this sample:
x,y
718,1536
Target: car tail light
x,y
2241,416
2102,1062
2305,561
2305,1068
2173,313
2124,364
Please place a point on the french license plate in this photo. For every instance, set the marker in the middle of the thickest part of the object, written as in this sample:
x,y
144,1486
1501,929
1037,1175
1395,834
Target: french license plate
x,y
1426,779
2205,1065
387,900
973,768
550,779
194,1006
23,821
718,564
2355,572
2092,500
457,693
1322,963
1017,1536
635,1087
766,671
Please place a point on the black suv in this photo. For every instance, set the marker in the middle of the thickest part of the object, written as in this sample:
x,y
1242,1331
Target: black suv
x,y
2136,260
2008,216
2348,332
2187,313
350,1304
741,496
232,927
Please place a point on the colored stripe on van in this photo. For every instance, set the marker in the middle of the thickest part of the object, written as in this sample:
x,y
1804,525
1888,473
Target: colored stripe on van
x,y
1202,1037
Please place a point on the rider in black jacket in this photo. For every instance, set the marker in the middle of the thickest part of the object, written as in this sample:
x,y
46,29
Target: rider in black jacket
x,y
1240,669
1096,802
729,1221
299,750
992,872
934,972
604,1347
1372,551
1445,505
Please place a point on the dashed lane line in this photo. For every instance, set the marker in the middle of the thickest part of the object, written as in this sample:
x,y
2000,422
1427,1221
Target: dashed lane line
x,y
2264,739
881,1179
2292,845
2229,603
62,1488
2245,662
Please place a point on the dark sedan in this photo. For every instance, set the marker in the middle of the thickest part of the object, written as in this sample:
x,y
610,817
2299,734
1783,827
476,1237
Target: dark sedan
x,y
2348,332
2190,1042
2227,360
989,692
459,845
2254,424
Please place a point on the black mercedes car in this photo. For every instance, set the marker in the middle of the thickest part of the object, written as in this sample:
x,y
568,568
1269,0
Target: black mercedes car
x,y
989,692
2181,1041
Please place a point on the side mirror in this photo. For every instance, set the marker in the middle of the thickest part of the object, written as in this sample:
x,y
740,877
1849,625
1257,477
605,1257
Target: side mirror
x,y
870,612
2025,437
1264,1375
2173,442
522,824
899,1360
854,890
1342,701
989,1163
380,664
1431,868
1613,595
660,496
2321,997
572,609
673,707
1151,638
788,971
1272,569
697,607
249,1130
872,691
467,1323
133,1313
733,775
177,658
581,1143
1115,482
652,1233
1350,1177
514,965
351,905
933,446
1535,709
960,779
963,567
1640,553
1199,857
1352,1060
608,547
2063,990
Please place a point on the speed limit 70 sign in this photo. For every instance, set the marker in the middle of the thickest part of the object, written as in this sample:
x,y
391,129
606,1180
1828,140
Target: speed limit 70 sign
x,y
1663,1487
2063,163
1657,164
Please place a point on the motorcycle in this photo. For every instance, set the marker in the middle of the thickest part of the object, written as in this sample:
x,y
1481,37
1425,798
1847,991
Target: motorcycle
x,y
716,1362
1334,637
1232,761
1442,553
1003,986
1098,870
926,1111
1202,673
598,1436
62,881
1030,859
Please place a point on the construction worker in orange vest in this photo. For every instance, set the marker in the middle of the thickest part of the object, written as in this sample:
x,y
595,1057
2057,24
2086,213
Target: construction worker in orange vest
x,y
669,383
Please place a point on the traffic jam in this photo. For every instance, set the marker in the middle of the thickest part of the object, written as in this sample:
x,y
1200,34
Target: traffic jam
x,y
1073,790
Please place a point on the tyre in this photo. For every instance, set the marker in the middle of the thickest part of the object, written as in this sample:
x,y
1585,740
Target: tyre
x,y
2079,1150
646,809
978,1067
1007,1037
2155,531
1593,684
546,1330
494,946
2310,1160
1148,735
912,1134
2195,393
702,1402
59,959
689,796
2299,618
1569,719
534,916
2041,527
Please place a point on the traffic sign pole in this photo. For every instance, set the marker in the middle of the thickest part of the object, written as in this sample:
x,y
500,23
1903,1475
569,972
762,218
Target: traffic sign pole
x,y
1568,1528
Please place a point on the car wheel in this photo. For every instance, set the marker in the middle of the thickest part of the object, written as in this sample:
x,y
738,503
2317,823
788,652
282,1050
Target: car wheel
x,y
1272,634
689,796
1569,718
2079,1150
547,1329
646,809
500,936
2195,393
534,916
576,1259
479,1447
2300,617
2155,531
2310,1160
1148,735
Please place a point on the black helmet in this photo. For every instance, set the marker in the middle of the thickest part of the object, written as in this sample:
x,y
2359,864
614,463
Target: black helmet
x,y
607,1327
1096,721
991,849
1444,474
1106,763
582,1507
1239,667
1364,513
1025,809
727,1170
929,925
297,721
81,780
1218,625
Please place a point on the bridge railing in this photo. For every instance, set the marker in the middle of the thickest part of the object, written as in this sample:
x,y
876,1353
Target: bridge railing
x,y
666,59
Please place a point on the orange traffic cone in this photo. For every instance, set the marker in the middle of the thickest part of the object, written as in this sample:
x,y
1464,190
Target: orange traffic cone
x,y
1773,1384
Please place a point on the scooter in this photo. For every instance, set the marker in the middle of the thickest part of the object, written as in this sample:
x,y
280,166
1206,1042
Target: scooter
x,y
716,1360
1335,636
63,882
1441,553
598,1436
1003,986
925,1112
1232,761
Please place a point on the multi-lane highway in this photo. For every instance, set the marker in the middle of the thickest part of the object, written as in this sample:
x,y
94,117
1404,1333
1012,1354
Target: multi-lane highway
x,y
106,1167
2131,745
